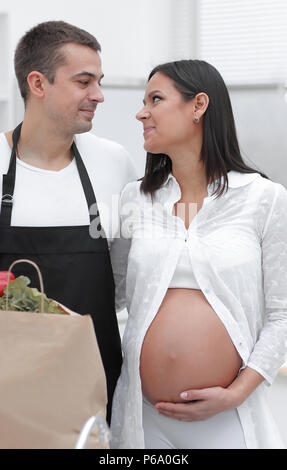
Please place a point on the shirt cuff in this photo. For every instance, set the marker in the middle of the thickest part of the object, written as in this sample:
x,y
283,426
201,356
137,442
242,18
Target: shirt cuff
x,y
269,379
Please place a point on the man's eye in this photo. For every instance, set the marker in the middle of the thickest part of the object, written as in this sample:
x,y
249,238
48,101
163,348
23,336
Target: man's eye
x,y
83,82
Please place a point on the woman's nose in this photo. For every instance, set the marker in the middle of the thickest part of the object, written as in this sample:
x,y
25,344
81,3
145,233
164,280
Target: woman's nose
x,y
143,114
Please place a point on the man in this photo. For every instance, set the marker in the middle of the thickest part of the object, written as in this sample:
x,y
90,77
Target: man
x,y
56,174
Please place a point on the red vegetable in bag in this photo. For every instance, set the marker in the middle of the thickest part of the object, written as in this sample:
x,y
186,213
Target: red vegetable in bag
x,y
4,280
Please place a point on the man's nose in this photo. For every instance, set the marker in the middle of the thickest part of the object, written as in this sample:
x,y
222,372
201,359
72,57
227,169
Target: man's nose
x,y
96,94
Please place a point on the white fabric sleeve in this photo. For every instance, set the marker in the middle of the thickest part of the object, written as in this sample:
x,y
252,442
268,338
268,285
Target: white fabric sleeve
x,y
119,252
119,255
269,352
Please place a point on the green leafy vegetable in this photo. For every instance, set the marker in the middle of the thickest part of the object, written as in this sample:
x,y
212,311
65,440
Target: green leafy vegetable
x,y
27,299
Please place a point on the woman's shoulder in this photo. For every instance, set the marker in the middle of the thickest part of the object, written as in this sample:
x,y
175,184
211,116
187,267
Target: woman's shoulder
x,y
271,203
256,184
269,189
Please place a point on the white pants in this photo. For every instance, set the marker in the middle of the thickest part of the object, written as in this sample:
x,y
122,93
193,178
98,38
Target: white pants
x,y
221,431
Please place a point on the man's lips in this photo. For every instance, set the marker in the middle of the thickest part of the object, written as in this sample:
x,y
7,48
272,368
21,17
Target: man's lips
x,y
89,112
148,129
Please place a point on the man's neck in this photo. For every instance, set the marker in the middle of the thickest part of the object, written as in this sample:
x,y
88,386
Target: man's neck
x,y
43,146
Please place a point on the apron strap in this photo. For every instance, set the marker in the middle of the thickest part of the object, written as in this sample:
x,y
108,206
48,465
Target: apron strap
x,y
9,184
86,184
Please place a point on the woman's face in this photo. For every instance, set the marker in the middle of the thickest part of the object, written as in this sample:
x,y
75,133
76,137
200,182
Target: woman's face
x,y
168,120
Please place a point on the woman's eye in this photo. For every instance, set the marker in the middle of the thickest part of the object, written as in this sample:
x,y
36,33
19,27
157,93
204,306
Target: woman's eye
x,y
156,98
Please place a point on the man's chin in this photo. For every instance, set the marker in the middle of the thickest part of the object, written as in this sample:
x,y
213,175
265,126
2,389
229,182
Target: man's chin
x,y
83,127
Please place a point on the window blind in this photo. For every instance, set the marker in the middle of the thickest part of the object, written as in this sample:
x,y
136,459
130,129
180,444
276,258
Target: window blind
x,y
182,31
245,39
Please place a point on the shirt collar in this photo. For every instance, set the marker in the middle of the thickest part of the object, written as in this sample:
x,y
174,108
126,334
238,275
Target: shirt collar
x,y
235,179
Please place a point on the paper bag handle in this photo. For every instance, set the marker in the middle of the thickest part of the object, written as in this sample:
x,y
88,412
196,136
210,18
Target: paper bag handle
x,y
40,280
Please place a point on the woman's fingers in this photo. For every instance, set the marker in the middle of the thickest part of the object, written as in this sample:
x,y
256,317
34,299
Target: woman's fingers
x,y
182,411
190,395
198,405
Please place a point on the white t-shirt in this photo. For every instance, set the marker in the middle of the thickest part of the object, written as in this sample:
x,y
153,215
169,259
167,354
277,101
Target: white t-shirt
x,y
56,198
45,198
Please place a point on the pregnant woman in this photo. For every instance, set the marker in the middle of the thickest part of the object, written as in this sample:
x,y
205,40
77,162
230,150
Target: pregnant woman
x,y
207,277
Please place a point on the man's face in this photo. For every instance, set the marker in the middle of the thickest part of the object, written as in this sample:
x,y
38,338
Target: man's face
x,y
70,102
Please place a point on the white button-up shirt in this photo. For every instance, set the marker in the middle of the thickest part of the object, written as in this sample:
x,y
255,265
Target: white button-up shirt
x,y
238,249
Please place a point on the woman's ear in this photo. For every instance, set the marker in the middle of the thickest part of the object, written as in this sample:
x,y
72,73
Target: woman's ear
x,y
201,102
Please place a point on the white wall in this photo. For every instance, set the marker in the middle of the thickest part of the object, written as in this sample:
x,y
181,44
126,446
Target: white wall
x,y
278,404
261,118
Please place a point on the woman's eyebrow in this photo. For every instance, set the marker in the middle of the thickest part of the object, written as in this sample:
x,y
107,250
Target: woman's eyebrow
x,y
151,93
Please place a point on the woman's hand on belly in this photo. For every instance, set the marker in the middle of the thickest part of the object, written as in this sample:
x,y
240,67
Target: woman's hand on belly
x,y
201,404
204,403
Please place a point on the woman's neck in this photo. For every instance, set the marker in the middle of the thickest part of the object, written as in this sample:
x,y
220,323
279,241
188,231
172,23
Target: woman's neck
x,y
189,171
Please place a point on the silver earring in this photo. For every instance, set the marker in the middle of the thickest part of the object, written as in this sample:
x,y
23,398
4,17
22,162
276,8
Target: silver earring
x,y
196,119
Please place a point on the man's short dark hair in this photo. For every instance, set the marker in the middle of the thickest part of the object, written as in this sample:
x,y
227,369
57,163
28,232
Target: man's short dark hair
x,y
40,49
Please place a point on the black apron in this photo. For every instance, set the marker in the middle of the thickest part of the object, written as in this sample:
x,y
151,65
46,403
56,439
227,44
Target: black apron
x,y
76,268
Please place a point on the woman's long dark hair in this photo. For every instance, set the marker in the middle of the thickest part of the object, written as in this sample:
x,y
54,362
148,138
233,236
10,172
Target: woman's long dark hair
x,y
220,150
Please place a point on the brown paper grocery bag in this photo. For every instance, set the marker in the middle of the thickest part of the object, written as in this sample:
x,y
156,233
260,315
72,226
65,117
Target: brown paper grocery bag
x,y
51,380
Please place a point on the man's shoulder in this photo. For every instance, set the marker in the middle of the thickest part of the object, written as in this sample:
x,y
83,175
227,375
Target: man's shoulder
x,y
90,142
3,140
5,153
106,158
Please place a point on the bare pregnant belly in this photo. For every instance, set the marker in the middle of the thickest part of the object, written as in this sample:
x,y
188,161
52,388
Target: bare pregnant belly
x,y
186,347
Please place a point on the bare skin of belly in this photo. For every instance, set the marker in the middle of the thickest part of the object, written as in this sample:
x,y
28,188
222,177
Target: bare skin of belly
x,y
186,347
